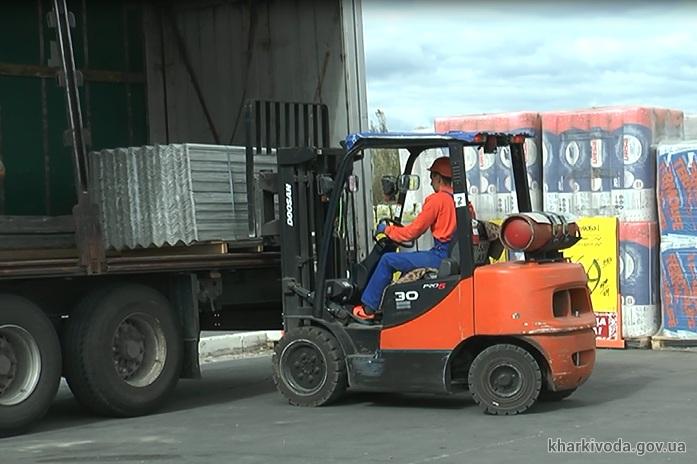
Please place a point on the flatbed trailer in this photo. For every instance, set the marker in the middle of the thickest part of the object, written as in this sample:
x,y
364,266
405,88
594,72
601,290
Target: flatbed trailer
x,y
122,326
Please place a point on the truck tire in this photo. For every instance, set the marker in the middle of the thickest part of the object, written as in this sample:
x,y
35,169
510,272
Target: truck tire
x,y
30,364
505,379
123,350
309,368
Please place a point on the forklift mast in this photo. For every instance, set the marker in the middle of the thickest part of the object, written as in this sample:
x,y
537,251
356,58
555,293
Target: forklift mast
x,y
306,178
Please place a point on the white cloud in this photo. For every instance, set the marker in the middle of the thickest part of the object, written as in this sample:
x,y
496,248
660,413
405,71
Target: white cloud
x,y
428,59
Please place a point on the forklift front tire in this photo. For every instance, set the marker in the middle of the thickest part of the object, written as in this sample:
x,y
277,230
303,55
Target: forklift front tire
x,y
309,367
505,379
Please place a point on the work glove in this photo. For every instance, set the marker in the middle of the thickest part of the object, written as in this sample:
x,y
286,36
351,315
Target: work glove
x,y
380,235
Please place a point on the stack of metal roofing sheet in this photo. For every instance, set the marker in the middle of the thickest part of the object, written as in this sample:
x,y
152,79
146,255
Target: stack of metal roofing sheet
x,y
172,194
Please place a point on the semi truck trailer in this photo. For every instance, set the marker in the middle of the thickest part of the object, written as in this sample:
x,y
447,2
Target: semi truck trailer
x,y
121,322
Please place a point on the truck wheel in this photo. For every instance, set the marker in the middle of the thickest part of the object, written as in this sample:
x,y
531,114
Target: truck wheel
x,y
505,380
546,395
123,351
30,364
309,368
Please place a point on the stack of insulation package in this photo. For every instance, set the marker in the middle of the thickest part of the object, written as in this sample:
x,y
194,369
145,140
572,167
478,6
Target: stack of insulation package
x,y
489,175
677,209
602,162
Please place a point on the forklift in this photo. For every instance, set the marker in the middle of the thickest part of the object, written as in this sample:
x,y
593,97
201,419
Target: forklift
x,y
510,332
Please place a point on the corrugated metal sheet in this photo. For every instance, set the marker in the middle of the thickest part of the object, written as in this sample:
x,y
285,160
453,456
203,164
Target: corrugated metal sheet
x,y
171,194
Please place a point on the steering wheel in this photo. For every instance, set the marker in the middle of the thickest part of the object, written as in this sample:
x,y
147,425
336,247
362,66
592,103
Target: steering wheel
x,y
380,238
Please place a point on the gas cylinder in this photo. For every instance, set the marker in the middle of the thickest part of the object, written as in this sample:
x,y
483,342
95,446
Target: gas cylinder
x,y
538,231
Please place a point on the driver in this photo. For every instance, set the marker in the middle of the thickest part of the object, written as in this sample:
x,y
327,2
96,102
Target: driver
x,y
438,214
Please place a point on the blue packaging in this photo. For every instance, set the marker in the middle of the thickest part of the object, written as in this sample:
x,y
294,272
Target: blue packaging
x,y
679,290
639,273
551,174
634,155
677,188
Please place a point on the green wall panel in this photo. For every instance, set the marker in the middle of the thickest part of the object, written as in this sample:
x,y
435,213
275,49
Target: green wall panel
x,y
39,180
19,25
22,152
60,171
105,33
109,112
139,113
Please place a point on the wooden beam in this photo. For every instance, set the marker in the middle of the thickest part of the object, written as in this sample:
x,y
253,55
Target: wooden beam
x,y
36,242
35,225
91,75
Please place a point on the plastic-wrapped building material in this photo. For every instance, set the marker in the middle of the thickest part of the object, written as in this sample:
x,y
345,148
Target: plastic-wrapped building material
x,y
690,126
677,207
172,194
601,161
679,291
677,192
639,274
489,175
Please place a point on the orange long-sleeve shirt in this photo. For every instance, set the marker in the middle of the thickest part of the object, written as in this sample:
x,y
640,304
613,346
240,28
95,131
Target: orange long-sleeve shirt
x,y
438,213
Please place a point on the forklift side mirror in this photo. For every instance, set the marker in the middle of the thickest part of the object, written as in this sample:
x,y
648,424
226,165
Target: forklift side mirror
x,y
409,183
352,183
325,185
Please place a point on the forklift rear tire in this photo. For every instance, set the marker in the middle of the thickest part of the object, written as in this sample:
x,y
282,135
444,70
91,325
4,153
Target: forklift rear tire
x,y
505,379
309,367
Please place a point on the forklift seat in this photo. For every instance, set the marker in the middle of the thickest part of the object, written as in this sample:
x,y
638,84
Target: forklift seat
x,y
488,235
450,266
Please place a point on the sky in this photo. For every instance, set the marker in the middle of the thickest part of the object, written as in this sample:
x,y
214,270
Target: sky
x,y
428,59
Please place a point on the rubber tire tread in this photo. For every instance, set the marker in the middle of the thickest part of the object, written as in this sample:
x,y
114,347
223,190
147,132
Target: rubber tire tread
x,y
84,378
19,311
337,376
494,351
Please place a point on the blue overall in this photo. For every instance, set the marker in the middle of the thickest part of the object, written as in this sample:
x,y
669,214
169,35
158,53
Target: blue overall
x,y
403,262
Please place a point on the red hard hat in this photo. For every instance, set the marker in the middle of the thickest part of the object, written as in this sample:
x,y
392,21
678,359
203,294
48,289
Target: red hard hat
x,y
442,166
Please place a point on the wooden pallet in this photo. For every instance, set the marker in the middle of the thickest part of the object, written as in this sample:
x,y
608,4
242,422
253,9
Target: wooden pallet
x,y
670,343
638,343
211,248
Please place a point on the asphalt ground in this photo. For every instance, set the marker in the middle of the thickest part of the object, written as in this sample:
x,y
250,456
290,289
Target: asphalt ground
x,y
234,415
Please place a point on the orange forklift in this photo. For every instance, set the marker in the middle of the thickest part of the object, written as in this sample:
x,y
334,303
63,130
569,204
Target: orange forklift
x,y
509,332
